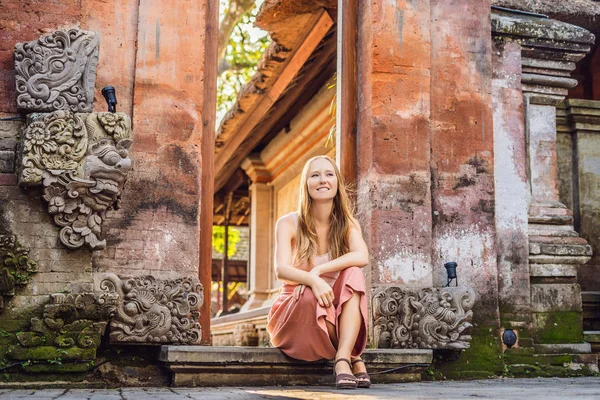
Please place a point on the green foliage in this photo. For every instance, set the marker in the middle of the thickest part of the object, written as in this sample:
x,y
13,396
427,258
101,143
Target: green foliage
x,y
244,50
218,240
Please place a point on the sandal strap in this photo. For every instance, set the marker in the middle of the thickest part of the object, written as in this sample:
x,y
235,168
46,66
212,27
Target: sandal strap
x,y
347,377
355,361
342,359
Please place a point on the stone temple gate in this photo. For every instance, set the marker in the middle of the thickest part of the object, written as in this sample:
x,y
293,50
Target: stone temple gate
x,y
469,132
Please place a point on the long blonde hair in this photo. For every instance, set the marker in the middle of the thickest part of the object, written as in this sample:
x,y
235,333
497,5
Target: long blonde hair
x,y
306,243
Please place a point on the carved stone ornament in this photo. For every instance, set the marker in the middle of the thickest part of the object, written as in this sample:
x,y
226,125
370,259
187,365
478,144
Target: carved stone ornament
x,y
52,141
82,161
151,311
57,71
430,318
15,267
68,333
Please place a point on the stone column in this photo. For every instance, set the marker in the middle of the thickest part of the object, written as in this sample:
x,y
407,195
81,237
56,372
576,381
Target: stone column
x,y
580,159
425,155
261,232
511,200
549,50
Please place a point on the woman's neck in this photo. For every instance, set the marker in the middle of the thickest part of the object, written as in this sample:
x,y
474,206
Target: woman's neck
x,y
322,212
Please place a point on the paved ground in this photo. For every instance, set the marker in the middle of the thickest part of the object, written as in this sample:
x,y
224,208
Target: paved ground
x,y
529,389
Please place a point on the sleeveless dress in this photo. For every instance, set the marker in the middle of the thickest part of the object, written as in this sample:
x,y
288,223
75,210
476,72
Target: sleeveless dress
x,y
296,321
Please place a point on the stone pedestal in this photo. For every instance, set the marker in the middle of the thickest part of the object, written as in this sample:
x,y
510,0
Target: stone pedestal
x,y
549,50
251,366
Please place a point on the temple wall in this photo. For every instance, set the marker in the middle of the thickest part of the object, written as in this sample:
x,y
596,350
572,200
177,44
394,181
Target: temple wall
x,y
425,154
153,54
156,229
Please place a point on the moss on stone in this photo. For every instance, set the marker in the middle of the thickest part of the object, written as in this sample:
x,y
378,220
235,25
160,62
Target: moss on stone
x,y
567,370
558,327
45,353
520,351
482,359
539,359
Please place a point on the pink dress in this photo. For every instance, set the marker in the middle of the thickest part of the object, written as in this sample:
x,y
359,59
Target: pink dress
x,y
296,322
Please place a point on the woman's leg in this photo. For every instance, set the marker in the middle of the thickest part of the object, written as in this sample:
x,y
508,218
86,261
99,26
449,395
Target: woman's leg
x,y
350,321
332,333
358,367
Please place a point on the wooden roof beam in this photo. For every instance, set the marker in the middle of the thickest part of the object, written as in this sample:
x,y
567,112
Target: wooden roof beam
x,y
308,44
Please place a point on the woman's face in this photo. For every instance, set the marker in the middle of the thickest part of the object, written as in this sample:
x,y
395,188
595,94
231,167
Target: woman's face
x,y
322,182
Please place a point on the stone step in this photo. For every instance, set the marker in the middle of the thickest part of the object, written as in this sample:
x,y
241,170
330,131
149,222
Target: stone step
x,y
590,297
591,310
591,336
255,366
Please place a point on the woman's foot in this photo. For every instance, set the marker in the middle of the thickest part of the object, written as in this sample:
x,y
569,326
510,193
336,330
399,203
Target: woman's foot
x,y
344,379
359,370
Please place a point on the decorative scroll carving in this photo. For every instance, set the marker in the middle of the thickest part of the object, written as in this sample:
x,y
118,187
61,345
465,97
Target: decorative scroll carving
x,y
430,318
151,311
15,267
57,71
53,141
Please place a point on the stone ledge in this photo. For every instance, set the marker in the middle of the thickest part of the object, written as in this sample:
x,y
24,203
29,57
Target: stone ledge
x,y
590,297
229,365
240,316
563,348
591,336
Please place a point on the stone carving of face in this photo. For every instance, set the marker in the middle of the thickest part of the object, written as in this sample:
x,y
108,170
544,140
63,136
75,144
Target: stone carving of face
x,y
106,165
322,181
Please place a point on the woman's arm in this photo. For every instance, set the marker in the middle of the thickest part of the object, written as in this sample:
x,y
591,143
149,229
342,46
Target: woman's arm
x,y
285,229
358,256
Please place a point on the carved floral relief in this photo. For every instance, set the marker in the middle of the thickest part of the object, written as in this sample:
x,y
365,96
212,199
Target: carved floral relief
x,y
15,266
152,311
57,71
430,318
52,141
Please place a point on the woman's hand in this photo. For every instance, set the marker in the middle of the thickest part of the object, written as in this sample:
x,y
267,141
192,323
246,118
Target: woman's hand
x,y
322,291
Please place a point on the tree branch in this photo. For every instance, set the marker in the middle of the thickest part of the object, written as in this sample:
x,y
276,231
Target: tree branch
x,y
235,12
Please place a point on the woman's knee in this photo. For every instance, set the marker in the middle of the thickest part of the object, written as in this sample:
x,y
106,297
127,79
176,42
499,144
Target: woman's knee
x,y
352,271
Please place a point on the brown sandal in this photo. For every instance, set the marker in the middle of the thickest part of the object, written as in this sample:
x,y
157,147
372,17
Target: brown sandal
x,y
363,379
350,380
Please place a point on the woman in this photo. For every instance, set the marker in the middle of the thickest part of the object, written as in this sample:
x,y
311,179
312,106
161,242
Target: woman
x,y
322,309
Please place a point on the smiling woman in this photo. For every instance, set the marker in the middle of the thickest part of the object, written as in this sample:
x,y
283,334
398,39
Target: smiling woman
x,y
319,250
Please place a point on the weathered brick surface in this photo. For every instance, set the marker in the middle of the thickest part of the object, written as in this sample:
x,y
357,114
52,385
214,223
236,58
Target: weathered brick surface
x,y
426,152
158,47
394,143
160,199
510,178
117,23
462,143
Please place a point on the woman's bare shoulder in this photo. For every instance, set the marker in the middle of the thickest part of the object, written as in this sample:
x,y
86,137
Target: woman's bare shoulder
x,y
287,223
